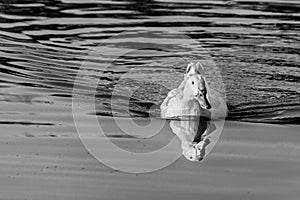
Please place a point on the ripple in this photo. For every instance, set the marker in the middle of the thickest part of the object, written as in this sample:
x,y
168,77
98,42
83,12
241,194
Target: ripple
x,y
253,43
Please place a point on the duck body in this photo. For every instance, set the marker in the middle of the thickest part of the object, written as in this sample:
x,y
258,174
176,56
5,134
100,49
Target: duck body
x,y
176,106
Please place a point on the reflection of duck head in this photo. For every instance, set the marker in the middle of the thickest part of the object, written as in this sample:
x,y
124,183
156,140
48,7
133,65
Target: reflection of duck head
x,y
193,134
196,151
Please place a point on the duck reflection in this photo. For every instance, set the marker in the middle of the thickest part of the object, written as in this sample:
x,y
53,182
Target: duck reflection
x,y
194,135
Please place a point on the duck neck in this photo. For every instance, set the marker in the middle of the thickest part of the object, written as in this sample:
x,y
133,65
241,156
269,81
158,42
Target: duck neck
x,y
186,94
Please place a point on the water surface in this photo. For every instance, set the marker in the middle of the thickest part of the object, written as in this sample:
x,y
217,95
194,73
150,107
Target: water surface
x,y
254,44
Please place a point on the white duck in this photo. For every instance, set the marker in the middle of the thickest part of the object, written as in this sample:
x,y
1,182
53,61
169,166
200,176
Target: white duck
x,y
184,100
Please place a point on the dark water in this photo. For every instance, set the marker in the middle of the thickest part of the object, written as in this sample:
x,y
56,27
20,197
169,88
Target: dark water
x,y
254,44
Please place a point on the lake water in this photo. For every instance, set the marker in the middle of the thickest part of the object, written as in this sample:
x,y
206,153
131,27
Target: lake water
x,y
254,46
125,57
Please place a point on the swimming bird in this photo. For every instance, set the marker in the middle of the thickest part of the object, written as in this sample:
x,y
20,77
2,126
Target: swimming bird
x,y
185,100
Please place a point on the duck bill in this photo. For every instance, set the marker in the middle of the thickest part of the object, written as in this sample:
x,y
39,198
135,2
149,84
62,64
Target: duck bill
x,y
204,103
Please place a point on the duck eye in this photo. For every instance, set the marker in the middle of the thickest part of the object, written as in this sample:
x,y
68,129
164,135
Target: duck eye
x,y
192,82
